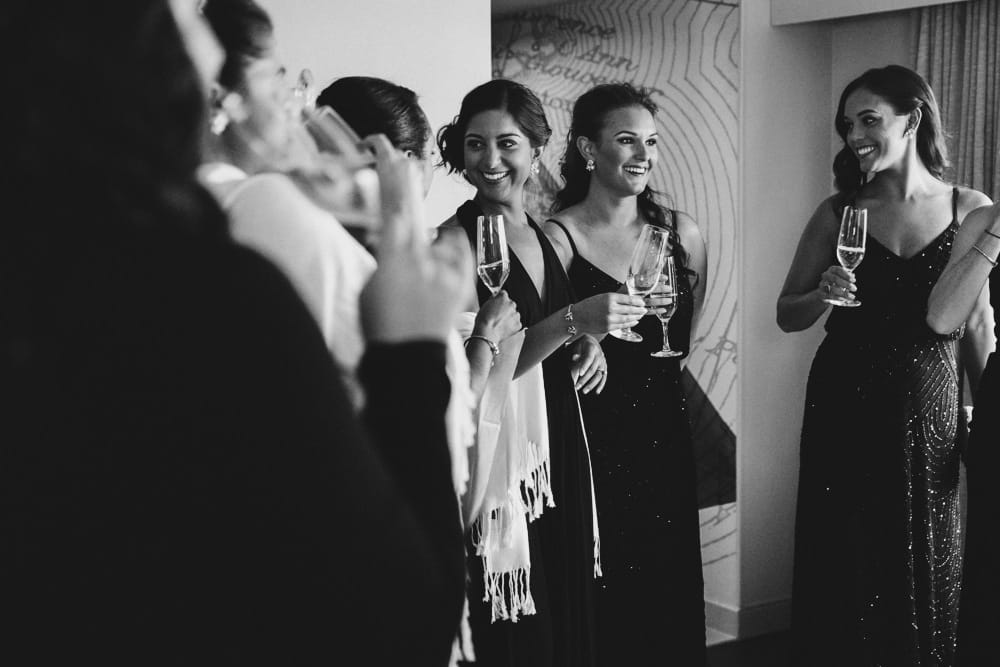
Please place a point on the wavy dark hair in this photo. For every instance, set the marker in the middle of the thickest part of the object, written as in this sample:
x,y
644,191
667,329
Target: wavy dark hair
x,y
123,130
375,106
496,95
590,112
244,29
904,90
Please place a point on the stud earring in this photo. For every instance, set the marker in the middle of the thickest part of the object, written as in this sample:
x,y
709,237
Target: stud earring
x,y
590,165
534,168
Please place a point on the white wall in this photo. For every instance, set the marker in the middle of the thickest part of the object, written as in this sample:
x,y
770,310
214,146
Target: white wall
x,y
801,11
784,153
439,48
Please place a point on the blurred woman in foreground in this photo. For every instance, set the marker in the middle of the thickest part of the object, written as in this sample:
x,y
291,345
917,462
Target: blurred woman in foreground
x,y
181,466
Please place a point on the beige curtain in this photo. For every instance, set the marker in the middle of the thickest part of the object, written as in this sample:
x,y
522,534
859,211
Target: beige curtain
x,y
958,52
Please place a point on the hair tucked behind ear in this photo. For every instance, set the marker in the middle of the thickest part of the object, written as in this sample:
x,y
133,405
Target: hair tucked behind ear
x,y
589,115
496,95
905,91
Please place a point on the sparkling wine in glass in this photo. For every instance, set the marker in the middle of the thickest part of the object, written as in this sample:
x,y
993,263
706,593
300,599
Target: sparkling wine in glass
x,y
850,247
644,269
492,255
666,294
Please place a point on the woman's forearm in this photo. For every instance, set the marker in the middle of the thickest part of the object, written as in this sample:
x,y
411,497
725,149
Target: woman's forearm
x,y
955,294
797,312
542,339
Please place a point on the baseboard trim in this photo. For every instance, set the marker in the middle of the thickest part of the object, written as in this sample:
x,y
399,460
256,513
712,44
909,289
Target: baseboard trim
x,y
745,622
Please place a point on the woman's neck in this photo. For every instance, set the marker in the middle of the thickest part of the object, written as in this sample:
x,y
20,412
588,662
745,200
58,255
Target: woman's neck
x,y
603,207
909,180
513,212
234,151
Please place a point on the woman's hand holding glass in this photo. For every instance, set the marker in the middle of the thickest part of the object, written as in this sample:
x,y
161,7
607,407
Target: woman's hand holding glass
x,y
498,318
418,288
644,269
603,313
837,283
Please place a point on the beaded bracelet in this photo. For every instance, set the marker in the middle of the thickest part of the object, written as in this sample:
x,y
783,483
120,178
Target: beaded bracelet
x,y
996,236
494,349
987,257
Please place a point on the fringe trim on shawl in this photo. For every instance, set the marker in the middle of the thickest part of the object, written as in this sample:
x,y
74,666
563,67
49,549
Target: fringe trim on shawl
x,y
510,593
536,488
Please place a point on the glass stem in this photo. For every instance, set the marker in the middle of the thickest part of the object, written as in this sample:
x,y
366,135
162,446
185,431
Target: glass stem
x,y
666,337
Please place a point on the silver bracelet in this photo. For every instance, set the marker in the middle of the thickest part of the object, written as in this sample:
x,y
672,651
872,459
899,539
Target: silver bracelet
x,y
980,251
494,348
570,328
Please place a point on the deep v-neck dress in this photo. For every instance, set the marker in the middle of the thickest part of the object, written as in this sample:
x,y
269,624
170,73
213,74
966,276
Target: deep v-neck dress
x,y
561,541
877,551
650,602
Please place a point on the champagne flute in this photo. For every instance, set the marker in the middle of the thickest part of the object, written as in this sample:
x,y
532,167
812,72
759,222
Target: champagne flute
x,y
850,248
666,291
644,270
492,255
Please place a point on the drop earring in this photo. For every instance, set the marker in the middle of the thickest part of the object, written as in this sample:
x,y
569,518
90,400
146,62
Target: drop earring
x,y
219,121
534,168
590,165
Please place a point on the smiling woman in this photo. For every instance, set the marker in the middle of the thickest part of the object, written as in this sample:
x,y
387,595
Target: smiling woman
x,y
877,553
651,601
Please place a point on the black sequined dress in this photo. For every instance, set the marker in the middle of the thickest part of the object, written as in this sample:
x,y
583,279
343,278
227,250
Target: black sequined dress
x,y
979,619
877,552
561,633
650,603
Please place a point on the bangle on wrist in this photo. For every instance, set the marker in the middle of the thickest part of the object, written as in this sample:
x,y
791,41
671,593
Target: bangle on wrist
x,y
987,257
996,236
570,327
494,349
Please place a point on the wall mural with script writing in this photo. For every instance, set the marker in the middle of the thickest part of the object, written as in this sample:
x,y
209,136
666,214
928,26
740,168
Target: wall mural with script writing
x,y
686,53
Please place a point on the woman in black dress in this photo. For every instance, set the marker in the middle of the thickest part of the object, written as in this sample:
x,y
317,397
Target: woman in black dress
x,y
961,295
650,605
494,141
877,553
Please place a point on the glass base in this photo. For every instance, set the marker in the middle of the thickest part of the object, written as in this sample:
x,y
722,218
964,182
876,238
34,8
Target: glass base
x,y
626,334
847,303
665,353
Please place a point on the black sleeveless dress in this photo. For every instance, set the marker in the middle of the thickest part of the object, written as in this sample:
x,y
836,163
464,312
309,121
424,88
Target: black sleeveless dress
x,y
877,553
650,602
979,618
561,541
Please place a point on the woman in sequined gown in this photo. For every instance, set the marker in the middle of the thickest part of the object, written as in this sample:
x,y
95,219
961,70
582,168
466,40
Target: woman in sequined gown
x,y
971,285
650,603
877,554
499,133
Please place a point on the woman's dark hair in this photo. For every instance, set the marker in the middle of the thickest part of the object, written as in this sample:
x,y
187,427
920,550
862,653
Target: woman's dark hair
x,y
496,95
244,29
124,152
904,90
376,106
590,112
